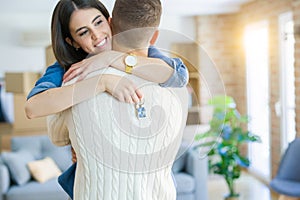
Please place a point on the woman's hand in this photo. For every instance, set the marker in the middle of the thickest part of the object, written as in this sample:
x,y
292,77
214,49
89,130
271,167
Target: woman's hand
x,y
74,158
122,88
86,66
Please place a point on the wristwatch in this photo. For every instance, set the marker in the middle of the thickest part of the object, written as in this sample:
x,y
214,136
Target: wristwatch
x,y
130,61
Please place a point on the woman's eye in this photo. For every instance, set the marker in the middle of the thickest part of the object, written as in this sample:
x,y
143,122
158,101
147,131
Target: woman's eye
x,y
98,22
83,33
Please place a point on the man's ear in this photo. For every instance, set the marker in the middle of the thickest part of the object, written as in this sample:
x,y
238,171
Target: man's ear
x,y
154,37
72,43
110,24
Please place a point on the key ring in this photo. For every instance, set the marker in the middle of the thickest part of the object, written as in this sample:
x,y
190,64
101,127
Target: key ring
x,y
140,103
140,109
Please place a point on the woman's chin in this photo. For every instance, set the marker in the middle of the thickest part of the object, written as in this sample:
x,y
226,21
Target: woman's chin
x,y
101,49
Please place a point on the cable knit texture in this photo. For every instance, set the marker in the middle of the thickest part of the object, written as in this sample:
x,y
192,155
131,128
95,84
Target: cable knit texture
x,y
119,156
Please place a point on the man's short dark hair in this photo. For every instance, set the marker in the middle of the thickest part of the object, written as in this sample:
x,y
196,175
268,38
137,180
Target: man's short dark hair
x,y
143,15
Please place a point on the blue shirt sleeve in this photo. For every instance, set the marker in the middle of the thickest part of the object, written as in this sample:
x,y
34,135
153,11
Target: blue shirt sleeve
x,y
51,79
180,76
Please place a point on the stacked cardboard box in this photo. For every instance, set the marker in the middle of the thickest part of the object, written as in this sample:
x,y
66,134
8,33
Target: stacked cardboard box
x,y
20,84
50,58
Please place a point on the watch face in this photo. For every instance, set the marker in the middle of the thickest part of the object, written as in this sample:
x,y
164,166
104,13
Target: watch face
x,y
131,60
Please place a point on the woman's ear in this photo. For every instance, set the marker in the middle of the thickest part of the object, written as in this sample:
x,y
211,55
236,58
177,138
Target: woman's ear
x,y
72,43
154,37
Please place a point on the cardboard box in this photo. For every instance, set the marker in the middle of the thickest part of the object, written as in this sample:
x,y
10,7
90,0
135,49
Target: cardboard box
x,y
21,123
50,58
20,82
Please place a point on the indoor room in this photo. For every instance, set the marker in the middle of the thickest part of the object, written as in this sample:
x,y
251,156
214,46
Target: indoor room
x,y
238,133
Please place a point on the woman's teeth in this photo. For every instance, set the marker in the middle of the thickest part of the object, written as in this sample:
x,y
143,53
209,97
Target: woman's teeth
x,y
101,43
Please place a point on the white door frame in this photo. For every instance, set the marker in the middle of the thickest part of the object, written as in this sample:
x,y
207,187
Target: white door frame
x,y
263,175
282,105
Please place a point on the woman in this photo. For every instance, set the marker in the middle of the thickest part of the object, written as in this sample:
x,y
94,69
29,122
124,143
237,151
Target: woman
x,y
91,40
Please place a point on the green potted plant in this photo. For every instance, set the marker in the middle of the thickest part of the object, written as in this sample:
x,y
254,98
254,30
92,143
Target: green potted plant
x,y
224,140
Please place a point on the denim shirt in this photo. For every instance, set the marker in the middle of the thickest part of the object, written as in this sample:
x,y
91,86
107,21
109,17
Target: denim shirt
x,y
54,74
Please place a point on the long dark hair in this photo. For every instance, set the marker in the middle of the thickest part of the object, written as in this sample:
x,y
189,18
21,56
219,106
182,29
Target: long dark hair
x,y
66,54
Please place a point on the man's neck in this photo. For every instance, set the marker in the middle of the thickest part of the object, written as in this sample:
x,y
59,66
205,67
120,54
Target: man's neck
x,y
138,52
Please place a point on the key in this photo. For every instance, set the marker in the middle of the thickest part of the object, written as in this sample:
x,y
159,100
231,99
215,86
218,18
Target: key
x,y
140,109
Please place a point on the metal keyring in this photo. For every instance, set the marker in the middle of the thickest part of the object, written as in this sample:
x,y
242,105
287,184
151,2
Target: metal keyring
x,y
141,102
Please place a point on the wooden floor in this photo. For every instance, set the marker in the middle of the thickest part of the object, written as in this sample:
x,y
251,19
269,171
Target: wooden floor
x,y
249,188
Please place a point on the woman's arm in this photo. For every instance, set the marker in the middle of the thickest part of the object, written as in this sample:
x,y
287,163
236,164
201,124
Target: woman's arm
x,y
44,104
58,99
169,72
146,68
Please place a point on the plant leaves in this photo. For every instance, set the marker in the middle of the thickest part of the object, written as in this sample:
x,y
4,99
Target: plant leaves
x,y
241,161
225,137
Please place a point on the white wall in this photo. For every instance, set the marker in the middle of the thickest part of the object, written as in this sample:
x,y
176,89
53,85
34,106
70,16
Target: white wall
x,y
176,29
15,56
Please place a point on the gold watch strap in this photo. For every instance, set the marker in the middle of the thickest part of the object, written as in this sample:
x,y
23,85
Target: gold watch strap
x,y
128,69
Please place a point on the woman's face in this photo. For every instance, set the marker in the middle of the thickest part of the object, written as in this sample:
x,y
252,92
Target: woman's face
x,y
90,31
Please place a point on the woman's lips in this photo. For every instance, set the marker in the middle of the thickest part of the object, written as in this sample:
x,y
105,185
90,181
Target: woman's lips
x,y
101,43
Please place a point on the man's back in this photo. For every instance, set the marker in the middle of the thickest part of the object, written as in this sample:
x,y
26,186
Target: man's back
x,y
121,156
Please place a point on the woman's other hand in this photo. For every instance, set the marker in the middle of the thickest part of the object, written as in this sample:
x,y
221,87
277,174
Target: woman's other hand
x,y
86,66
74,158
122,88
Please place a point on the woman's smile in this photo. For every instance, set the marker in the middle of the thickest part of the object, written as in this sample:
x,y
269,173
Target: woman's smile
x,y
93,37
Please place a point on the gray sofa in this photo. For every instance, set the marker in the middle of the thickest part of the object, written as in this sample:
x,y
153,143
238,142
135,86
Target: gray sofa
x,y
14,183
190,173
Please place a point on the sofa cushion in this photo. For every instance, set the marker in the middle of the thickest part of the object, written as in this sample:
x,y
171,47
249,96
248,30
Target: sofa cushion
x,y
40,147
185,183
17,165
31,144
43,170
33,190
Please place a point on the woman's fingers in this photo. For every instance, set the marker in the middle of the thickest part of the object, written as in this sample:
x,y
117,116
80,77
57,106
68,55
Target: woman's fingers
x,y
139,94
135,98
74,74
131,98
86,66
72,68
81,68
128,99
74,71
122,88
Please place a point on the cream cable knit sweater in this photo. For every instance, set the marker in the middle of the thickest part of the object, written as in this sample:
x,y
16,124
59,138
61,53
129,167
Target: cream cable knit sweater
x,y
121,157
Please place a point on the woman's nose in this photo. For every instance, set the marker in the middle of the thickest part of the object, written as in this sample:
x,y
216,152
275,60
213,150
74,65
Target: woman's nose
x,y
95,35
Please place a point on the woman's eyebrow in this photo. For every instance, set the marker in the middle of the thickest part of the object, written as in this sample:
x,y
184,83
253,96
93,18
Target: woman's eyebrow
x,y
79,29
98,16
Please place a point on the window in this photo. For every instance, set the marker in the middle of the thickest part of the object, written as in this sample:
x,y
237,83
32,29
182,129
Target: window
x,y
257,69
